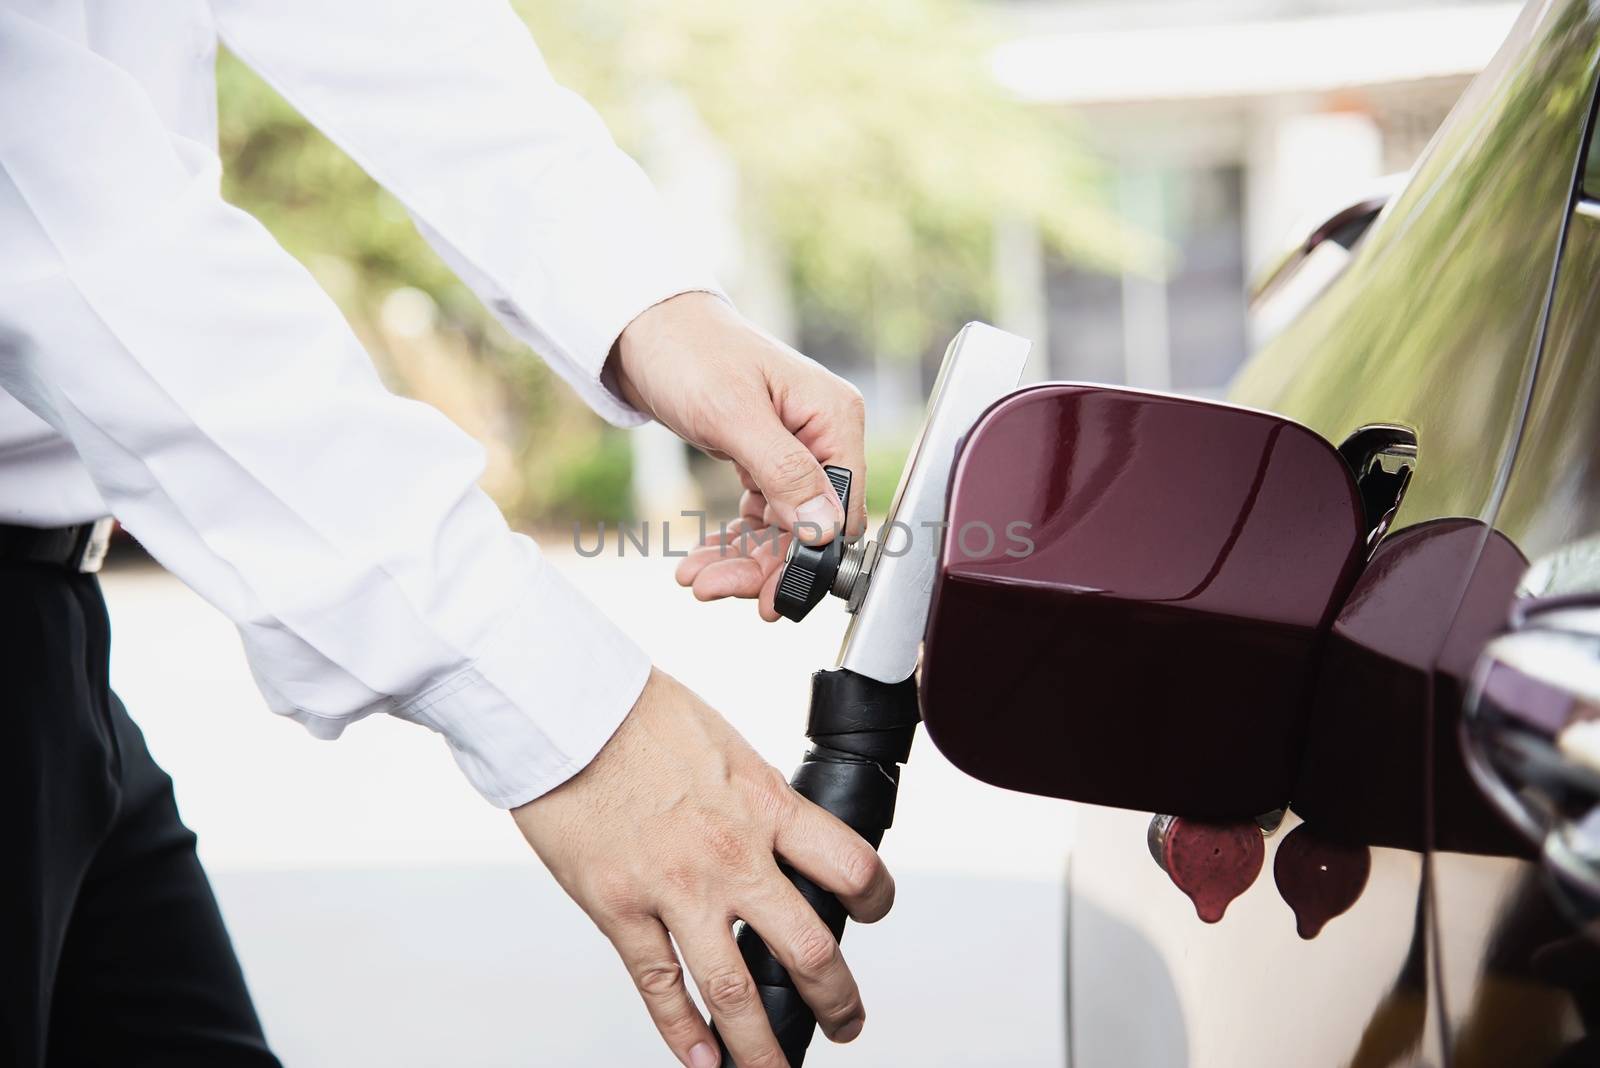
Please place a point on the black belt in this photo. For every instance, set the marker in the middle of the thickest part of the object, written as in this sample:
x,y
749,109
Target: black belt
x,y
79,548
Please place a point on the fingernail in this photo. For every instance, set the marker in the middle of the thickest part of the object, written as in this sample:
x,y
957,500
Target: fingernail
x,y
820,513
849,1031
703,1056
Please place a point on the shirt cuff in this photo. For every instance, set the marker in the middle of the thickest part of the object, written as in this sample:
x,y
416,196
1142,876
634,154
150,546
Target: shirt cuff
x,y
542,700
589,332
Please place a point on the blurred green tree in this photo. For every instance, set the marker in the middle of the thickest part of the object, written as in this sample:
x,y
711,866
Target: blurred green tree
x,y
871,139
873,147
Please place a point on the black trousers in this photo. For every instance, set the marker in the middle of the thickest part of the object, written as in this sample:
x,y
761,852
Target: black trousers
x,y
112,951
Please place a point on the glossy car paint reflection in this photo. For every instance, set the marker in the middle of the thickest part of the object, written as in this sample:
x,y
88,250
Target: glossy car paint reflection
x,y
1437,324
1363,773
1552,500
1530,975
1154,649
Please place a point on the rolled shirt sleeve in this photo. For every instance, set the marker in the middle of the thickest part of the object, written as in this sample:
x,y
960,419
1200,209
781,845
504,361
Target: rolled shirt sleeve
x,y
231,420
513,178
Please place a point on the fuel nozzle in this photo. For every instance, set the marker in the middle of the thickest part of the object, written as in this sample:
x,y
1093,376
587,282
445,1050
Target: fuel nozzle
x,y
810,572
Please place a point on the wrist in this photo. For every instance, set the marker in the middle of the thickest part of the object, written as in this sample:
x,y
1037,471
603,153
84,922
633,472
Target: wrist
x,y
661,328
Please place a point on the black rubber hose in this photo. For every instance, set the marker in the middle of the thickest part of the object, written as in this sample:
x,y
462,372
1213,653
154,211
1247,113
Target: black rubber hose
x,y
861,732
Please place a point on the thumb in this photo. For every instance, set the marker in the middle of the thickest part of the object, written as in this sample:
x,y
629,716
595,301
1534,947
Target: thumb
x,y
790,478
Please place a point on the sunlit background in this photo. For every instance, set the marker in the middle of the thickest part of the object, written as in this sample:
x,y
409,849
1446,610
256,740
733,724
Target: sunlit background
x,y
1103,178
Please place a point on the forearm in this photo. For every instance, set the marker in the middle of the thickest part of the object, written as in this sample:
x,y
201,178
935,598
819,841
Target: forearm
x,y
231,420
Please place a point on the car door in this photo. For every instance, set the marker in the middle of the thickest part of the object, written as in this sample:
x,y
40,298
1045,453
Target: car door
x,y
1435,327
1519,964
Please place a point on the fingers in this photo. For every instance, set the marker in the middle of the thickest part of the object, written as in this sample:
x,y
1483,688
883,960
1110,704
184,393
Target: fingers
x,y
767,599
839,860
730,994
735,576
771,463
739,564
647,952
756,577
810,954
739,538
754,510
831,422
788,476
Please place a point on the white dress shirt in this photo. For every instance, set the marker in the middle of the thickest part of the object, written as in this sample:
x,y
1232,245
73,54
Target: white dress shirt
x,y
165,361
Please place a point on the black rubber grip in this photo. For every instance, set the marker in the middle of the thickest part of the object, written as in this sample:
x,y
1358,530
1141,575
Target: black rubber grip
x,y
861,731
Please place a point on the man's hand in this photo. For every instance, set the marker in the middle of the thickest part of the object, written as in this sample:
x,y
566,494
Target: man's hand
x,y
700,369
675,828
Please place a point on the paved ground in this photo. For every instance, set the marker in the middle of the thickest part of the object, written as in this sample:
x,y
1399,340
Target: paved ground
x,y
387,916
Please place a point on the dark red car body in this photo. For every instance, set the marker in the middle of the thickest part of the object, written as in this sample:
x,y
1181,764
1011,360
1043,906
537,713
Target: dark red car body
x,y
1293,602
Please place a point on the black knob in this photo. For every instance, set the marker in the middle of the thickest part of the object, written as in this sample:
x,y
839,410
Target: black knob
x,y
809,570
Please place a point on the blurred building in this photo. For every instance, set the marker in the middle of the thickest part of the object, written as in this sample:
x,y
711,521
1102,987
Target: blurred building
x,y
1225,122
1226,126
